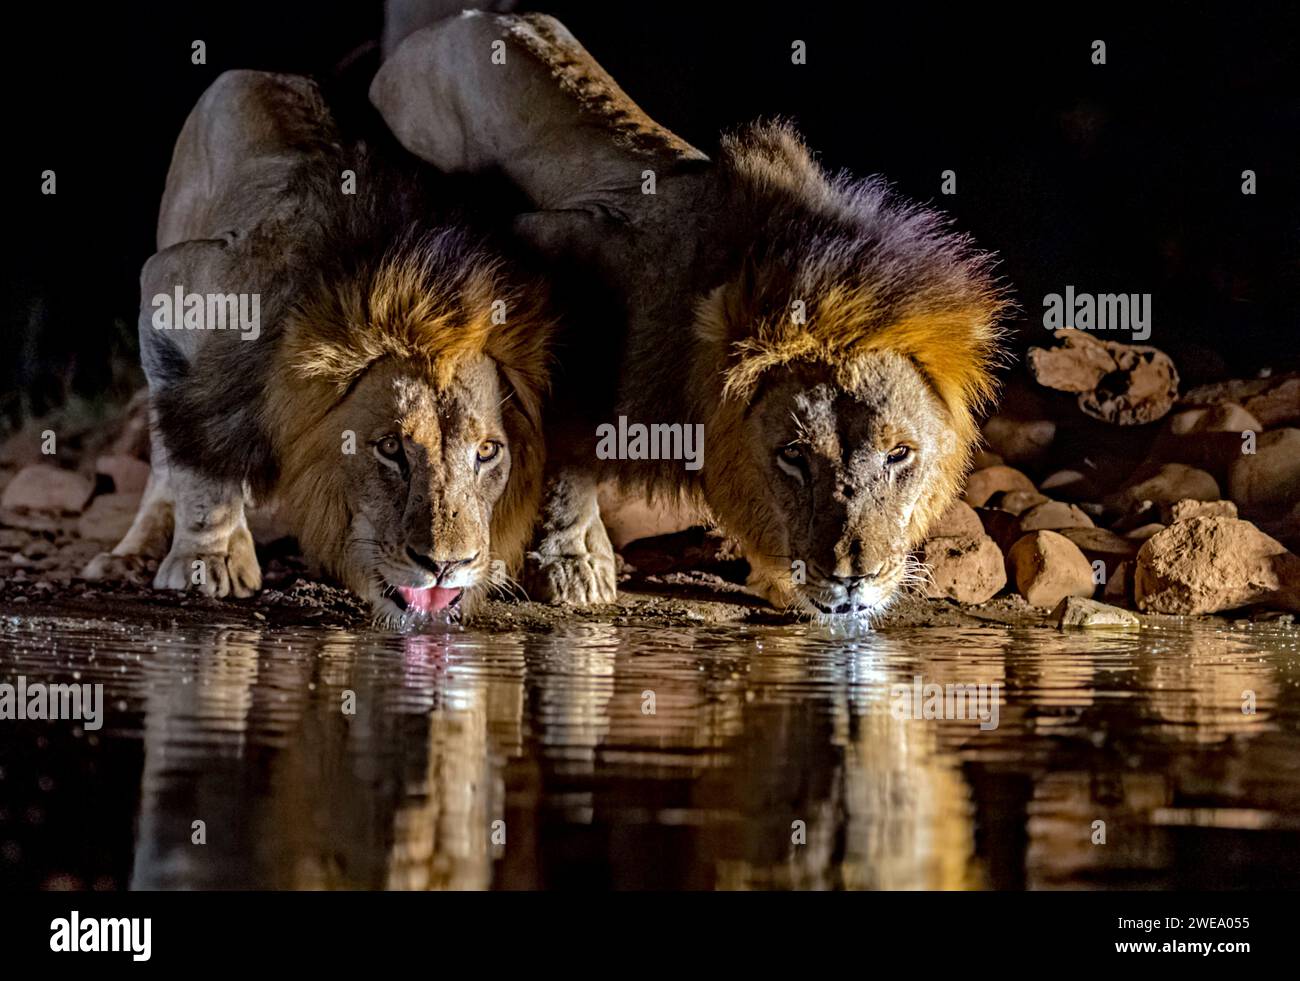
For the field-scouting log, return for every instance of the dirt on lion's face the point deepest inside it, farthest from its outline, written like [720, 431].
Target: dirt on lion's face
[836, 481]
[429, 465]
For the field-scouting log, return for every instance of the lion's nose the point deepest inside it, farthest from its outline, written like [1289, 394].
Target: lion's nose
[851, 582]
[440, 568]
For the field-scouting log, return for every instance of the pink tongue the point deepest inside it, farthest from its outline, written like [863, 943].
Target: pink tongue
[427, 600]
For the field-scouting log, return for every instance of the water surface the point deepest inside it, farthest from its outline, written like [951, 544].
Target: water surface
[630, 757]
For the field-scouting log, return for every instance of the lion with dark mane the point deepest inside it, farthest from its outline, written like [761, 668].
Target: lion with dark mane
[835, 342]
[389, 399]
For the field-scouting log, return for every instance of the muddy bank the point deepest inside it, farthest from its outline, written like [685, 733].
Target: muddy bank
[291, 598]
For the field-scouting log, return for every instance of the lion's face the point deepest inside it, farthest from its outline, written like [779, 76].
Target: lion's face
[430, 465]
[834, 480]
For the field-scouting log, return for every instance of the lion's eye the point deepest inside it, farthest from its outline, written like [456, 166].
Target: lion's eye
[898, 454]
[488, 450]
[390, 447]
[791, 460]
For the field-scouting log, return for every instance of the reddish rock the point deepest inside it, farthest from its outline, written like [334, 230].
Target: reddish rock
[1226, 417]
[132, 438]
[1100, 543]
[1186, 509]
[1076, 364]
[629, 517]
[1268, 481]
[1142, 532]
[1124, 384]
[1018, 502]
[959, 521]
[986, 458]
[1049, 567]
[1170, 484]
[1019, 441]
[1002, 526]
[108, 518]
[1206, 565]
[1054, 515]
[1070, 485]
[129, 475]
[1119, 585]
[1273, 401]
[983, 484]
[969, 570]
[47, 489]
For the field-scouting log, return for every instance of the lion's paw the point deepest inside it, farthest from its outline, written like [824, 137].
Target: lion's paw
[574, 580]
[138, 569]
[232, 573]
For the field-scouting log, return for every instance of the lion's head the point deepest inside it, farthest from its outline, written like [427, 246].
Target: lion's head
[843, 369]
[407, 424]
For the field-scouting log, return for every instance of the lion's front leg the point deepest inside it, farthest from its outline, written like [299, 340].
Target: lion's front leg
[212, 548]
[572, 561]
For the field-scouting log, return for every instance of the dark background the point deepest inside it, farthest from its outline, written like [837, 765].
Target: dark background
[1117, 178]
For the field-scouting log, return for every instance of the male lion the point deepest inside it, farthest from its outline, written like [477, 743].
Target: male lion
[834, 342]
[314, 335]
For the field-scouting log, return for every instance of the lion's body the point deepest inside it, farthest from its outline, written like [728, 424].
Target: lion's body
[376, 318]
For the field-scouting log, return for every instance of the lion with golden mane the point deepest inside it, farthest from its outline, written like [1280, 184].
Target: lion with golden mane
[385, 389]
[834, 342]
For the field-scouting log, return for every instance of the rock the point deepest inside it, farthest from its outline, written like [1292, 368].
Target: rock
[1171, 483]
[983, 484]
[1018, 502]
[1273, 401]
[1070, 485]
[959, 521]
[109, 517]
[986, 458]
[1098, 543]
[1076, 364]
[1019, 441]
[132, 438]
[1119, 585]
[1053, 515]
[1226, 417]
[1210, 564]
[1077, 611]
[1048, 567]
[1002, 526]
[13, 539]
[1186, 509]
[629, 517]
[1142, 532]
[969, 570]
[128, 474]
[266, 524]
[697, 549]
[47, 489]
[38, 548]
[1268, 480]
[1124, 384]
[1212, 452]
